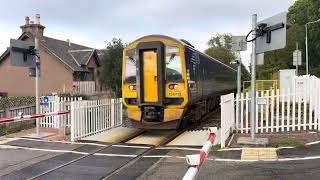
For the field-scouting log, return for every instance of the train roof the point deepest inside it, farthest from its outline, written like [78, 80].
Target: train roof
[182, 42]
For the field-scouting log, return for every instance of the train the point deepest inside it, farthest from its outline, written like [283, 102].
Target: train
[168, 84]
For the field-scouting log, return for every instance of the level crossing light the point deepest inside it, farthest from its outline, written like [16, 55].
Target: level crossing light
[307, 56]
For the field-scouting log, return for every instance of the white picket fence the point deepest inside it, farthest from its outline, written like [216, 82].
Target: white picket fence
[91, 117]
[57, 104]
[288, 111]
[227, 117]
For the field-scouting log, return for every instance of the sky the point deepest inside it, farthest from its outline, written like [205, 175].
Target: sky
[95, 22]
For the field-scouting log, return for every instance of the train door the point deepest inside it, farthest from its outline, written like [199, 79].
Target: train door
[150, 79]
[150, 74]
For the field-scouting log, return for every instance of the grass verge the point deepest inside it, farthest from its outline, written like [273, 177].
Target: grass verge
[215, 147]
[287, 142]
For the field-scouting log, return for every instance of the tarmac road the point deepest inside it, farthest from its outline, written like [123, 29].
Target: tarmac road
[306, 169]
[21, 164]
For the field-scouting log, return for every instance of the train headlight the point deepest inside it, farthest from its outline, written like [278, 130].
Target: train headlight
[132, 87]
[173, 86]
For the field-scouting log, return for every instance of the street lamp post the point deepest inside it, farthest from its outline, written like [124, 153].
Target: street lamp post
[307, 56]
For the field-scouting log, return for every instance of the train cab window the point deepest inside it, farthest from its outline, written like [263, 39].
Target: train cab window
[173, 64]
[130, 68]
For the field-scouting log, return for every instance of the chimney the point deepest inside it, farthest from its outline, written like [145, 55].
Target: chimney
[34, 28]
[37, 19]
[26, 21]
[69, 42]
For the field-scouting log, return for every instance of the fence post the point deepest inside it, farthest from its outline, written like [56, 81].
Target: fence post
[72, 123]
[112, 113]
[238, 99]
[121, 109]
[56, 107]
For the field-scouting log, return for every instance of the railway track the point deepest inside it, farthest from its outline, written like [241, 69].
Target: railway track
[136, 139]
[130, 151]
[82, 157]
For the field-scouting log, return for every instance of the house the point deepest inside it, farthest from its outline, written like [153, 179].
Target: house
[65, 66]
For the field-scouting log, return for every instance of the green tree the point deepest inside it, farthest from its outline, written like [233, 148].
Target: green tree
[221, 53]
[220, 49]
[112, 67]
[301, 12]
[221, 40]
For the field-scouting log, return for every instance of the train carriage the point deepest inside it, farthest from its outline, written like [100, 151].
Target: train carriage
[167, 83]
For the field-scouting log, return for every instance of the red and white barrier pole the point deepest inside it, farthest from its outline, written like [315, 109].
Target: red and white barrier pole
[34, 116]
[195, 161]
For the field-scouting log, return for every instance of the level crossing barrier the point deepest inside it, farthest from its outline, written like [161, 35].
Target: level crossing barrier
[22, 117]
[195, 161]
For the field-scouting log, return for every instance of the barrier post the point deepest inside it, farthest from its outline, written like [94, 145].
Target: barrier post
[195, 161]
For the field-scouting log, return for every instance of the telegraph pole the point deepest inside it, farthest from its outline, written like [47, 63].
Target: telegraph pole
[253, 77]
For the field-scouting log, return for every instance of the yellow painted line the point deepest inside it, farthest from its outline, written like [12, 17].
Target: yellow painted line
[152, 137]
[6, 140]
[259, 154]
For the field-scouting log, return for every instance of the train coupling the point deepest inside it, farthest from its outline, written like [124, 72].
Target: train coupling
[152, 114]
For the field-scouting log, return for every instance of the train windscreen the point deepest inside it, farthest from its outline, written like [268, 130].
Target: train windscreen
[130, 68]
[173, 64]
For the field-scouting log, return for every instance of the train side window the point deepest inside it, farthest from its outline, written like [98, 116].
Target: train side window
[130, 68]
[173, 64]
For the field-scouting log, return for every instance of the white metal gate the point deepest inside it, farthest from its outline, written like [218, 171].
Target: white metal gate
[91, 117]
[58, 104]
[227, 117]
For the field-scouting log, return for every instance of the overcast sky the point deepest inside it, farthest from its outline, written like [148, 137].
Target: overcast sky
[96, 22]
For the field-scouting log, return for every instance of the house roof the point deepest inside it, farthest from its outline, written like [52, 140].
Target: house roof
[75, 56]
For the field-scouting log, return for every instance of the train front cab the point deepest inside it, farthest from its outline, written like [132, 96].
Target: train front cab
[154, 87]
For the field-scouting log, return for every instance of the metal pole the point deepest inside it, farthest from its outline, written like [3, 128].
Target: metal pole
[307, 58]
[253, 77]
[297, 47]
[37, 83]
[239, 84]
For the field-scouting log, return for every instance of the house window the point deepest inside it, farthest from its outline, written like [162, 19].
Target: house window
[90, 74]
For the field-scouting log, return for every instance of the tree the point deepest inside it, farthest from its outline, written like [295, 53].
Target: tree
[220, 53]
[112, 67]
[301, 12]
[221, 40]
[220, 49]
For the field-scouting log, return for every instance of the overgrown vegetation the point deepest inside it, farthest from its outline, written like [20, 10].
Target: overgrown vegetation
[287, 142]
[112, 66]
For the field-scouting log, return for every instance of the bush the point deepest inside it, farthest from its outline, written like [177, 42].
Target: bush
[14, 127]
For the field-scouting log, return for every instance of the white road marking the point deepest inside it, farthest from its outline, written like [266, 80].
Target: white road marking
[64, 142]
[138, 147]
[164, 156]
[236, 149]
[311, 143]
[232, 160]
[115, 155]
[40, 149]
[299, 159]
[179, 148]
